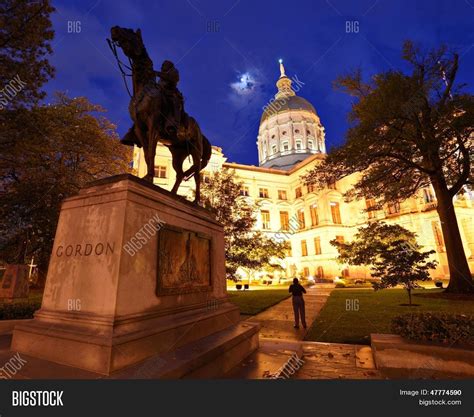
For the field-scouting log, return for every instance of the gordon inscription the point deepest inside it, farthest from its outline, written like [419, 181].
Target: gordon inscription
[85, 249]
[184, 261]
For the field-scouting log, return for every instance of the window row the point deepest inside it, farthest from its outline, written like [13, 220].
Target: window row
[285, 146]
[296, 132]
[394, 208]
[319, 272]
[299, 223]
[282, 194]
[317, 245]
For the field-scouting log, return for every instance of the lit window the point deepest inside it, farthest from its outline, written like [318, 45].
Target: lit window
[301, 222]
[244, 191]
[284, 220]
[263, 192]
[438, 236]
[393, 208]
[370, 205]
[265, 219]
[306, 272]
[282, 195]
[428, 195]
[317, 246]
[320, 272]
[314, 215]
[298, 192]
[304, 248]
[340, 239]
[335, 213]
[160, 171]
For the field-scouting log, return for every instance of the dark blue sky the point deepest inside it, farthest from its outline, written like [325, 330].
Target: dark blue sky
[215, 44]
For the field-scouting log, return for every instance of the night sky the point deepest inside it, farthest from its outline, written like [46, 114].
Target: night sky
[227, 53]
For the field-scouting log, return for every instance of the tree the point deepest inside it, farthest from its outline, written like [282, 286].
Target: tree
[244, 247]
[392, 252]
[409, 131]
[25, 35]
[55, 150]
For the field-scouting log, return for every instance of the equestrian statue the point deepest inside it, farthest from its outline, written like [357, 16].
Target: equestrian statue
[157, 111]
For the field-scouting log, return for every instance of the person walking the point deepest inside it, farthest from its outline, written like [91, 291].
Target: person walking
[297, 290]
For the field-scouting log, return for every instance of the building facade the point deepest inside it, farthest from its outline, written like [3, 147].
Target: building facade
[290, 142]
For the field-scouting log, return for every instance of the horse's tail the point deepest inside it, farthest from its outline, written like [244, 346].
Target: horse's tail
[206, 152]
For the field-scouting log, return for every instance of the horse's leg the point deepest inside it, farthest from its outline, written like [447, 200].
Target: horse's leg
[197, 176]
[152, 142]
[140, 132]
[178, 157]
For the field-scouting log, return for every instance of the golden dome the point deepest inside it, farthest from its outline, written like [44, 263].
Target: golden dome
[284, 104]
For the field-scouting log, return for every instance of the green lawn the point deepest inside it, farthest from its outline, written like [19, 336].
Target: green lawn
[253, 302]
[376, 310]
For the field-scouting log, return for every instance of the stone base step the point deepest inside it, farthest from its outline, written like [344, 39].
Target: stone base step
[210, 357]
[268, 361]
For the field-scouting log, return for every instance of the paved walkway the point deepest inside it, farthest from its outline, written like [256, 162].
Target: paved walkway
[279, 340]
[277, 321]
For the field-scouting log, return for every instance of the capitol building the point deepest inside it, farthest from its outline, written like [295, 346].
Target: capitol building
[290, 142]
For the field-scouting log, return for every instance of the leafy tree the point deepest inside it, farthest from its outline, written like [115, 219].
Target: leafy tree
[55, 150]
[392, 252]
[409, 131]
[244, 247]
[25, 35]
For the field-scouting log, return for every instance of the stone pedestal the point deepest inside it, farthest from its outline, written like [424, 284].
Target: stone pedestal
[14, 282]
[134, 273]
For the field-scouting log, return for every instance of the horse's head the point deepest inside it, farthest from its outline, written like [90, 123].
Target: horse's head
[130, 41]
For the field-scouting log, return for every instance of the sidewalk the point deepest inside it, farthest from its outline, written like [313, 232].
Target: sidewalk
[279, 340]
[277, 322]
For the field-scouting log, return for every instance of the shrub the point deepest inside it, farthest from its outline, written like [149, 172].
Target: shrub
[439, 327]
[340, 285]
[19, 310]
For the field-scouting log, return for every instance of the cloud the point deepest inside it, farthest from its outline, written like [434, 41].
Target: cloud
[245, 85]
[246, 89]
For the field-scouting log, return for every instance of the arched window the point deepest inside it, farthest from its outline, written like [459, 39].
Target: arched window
[320, 272]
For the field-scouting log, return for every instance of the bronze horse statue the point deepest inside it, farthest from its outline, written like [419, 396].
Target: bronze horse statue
[157, 112]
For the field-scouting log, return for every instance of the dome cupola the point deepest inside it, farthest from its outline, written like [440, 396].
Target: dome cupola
[290, 129]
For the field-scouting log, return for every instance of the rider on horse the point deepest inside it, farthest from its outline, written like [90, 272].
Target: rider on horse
[174, 105]
[168, 84]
